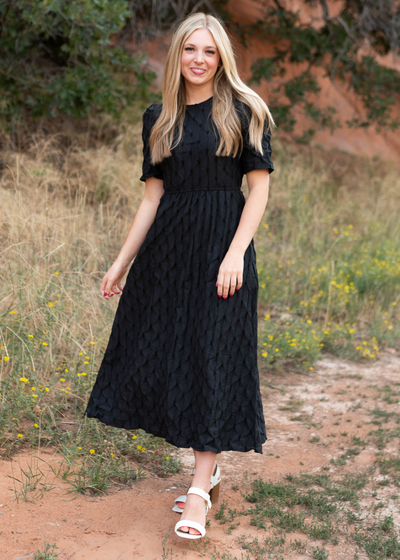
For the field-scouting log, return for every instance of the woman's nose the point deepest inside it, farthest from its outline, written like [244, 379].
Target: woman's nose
[199, 57]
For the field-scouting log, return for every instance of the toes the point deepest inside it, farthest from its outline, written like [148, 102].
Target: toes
[194, 531]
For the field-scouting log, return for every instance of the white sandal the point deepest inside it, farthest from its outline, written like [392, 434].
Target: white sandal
[214, 490]
[193, 524]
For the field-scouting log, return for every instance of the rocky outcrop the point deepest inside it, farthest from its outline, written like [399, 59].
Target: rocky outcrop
[366, 142]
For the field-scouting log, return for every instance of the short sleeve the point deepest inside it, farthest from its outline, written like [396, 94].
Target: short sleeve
[251, 158]
[149, 170]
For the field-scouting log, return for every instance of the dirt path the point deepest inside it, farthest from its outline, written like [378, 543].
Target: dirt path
[311, 420]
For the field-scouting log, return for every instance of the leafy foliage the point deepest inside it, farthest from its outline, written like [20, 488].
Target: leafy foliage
[60, 58]
[335, 47]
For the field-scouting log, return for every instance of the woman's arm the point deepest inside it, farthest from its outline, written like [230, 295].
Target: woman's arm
[230, 276]
[142, 221]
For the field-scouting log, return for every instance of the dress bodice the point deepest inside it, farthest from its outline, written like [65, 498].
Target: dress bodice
[193, 164]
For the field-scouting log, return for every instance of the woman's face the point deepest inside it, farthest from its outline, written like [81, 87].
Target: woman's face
[200, 58]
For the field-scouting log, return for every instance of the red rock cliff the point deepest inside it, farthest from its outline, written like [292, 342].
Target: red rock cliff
[365, 142]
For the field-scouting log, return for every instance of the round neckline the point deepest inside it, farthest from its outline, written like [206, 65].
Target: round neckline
[201, 102]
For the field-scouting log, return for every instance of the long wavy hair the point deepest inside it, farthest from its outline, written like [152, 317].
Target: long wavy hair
[227, 84]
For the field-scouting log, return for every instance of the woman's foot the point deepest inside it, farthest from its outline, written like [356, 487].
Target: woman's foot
[195, 510]
[182, 504]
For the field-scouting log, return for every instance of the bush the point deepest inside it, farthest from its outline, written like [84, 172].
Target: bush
[60, 58]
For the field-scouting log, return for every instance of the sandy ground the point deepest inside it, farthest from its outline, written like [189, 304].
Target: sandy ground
[137, 522]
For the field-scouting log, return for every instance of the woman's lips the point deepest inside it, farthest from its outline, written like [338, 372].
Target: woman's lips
[198, 71]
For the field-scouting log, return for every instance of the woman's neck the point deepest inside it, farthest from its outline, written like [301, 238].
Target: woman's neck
[198, 94]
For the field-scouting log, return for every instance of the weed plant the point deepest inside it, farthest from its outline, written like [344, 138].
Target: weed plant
[49, 552]
[323, 509]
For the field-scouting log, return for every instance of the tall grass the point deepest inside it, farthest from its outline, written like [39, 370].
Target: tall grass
[67, 204]
[329, 257]
[328, 254]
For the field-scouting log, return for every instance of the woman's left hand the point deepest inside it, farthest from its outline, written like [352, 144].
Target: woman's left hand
[230, 274]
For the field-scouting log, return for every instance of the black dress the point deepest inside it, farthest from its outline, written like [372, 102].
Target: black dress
[181, 363]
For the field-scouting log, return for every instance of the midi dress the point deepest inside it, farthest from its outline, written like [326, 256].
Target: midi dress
[181, 362]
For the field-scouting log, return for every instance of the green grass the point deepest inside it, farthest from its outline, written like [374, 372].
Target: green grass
[336, 509]
[324, 508]
[49, 552]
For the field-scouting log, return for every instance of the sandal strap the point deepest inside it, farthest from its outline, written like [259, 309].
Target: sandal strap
[192, 525]
[215, 478]
[200, 492]
[180, 498]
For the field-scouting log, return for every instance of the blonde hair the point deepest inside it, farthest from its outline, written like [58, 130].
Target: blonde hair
[227, 84]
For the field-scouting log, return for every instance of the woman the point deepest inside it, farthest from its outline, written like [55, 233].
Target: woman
[181, 362]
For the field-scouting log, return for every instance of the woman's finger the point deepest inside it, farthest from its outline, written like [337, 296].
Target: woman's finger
[225, 287]
[108, 290]
[239, 281]
[103, 286]
[117, 287]
[220, 281]
[233, 285]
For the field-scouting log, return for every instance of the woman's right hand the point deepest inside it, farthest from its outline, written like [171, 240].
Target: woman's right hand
[111, 283]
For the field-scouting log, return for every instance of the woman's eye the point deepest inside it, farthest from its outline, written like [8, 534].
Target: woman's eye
[191, 49]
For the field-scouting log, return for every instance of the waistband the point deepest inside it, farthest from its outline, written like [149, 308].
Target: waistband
[204, 190]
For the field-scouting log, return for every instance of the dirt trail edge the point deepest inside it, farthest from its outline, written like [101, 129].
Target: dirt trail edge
[335, 420]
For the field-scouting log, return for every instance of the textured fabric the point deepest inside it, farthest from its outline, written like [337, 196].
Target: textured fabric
[181, 363]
